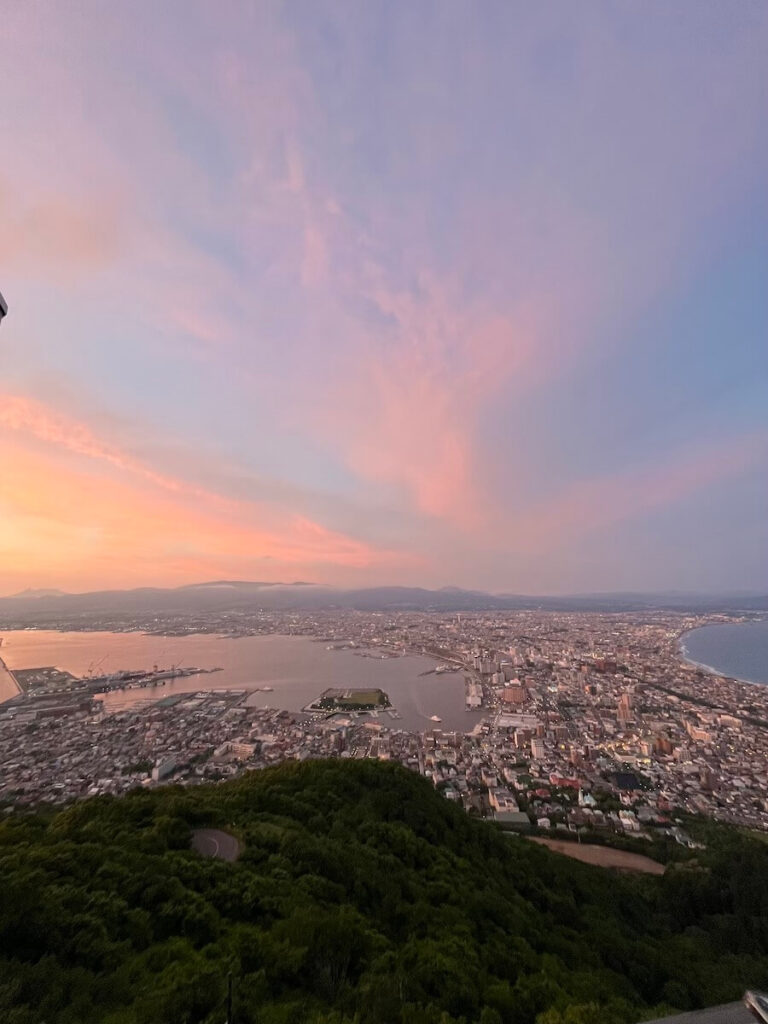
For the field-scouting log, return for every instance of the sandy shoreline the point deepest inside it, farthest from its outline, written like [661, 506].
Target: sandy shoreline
[710, 669]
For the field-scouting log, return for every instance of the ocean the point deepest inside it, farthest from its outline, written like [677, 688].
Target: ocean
[736, 649]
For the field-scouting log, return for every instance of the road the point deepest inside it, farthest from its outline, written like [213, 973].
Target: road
[211, 842]
[730, 1013]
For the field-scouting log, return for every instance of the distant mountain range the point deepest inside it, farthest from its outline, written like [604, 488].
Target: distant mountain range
[37, 606]
[31, 593]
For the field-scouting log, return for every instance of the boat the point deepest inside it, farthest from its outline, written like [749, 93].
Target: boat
[435, 718]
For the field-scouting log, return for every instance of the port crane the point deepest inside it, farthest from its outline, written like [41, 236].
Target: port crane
[95, 665]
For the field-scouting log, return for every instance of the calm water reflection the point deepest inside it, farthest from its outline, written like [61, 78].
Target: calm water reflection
[297, 668]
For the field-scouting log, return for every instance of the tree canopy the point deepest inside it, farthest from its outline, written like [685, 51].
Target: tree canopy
[361, 896]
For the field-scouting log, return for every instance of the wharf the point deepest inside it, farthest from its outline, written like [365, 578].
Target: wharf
[139, 679]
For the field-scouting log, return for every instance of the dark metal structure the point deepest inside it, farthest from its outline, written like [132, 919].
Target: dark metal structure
[757, 1004]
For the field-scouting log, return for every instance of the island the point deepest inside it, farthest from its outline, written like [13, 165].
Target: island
[349, 700]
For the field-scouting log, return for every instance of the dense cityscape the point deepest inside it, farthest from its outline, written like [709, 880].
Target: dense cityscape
[591, 723]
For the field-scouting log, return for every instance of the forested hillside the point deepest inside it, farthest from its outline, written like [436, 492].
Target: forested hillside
[361, 896]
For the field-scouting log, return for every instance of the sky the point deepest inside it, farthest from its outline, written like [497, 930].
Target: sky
[441, 294]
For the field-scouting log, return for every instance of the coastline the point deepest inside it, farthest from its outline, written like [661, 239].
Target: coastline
[710, 669]
[290, 663]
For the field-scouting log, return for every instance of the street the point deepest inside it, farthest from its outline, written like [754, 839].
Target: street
[211, 842]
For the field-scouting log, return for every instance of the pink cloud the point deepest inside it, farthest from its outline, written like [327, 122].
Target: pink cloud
[142, 513]
[420, 388]
[474, 301]
[73, 525]
[58, 233]
[26, 415]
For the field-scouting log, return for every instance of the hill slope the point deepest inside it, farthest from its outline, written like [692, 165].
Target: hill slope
[361, 896]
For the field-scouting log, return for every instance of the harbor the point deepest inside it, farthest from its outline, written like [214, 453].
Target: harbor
[128, 680]
[49, 680]
[278, 671]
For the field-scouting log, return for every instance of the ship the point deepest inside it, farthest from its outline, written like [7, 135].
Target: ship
[435, 718]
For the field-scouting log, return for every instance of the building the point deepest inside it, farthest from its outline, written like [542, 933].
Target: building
[518, 821]
[164, 768]
[501, 800]
[514, 694]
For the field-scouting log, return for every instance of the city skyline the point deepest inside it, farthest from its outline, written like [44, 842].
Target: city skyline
[429, 296]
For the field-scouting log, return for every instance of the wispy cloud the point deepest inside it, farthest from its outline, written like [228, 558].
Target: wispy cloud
[337, 269]
[406, 409]
[28, 416]
[590, 506]
[65, 238]
[141, 508]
